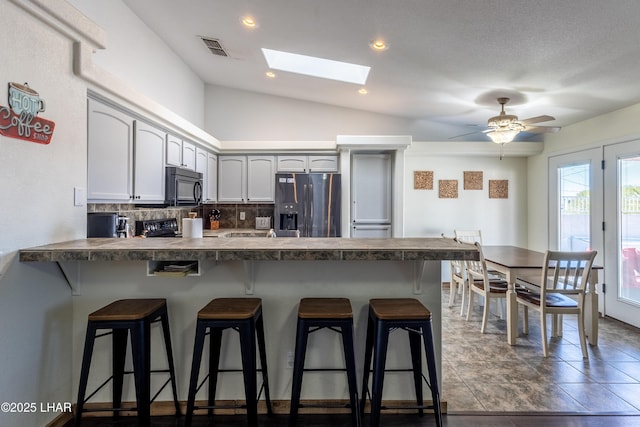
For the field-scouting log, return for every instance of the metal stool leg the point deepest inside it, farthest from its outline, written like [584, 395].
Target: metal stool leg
[263, 361]
[248, 350]
[416, 360]
[198, 345]
[349, 359]
[84, 372]
[119, 352]
[166, 332]
[381, 333]
[368, 352]
[427, 336]
[215, 343]
[302, 335]
[140, 346]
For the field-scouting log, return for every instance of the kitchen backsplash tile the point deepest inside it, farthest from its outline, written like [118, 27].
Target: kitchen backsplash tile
[229, 214]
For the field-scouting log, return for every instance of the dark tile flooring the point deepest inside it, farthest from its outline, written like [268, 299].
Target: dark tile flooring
[487, 382]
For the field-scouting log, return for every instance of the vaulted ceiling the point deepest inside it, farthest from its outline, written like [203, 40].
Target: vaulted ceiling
[446, 63]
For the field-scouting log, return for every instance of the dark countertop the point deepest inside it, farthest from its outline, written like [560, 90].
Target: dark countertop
[250, 248]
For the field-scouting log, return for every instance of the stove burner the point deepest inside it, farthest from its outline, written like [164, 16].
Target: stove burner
[157, 227]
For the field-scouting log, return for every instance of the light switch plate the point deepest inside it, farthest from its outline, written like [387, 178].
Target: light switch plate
[79, 196]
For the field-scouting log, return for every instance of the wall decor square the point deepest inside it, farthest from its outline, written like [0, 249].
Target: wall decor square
[498, 188]
[472, 180]
[448, 189]
[423, 180]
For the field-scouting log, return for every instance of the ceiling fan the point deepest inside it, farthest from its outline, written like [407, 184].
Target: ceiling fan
[504, 127]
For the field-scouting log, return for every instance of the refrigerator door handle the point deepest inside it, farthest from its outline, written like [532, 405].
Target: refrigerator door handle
[309, 220]
[305, 209]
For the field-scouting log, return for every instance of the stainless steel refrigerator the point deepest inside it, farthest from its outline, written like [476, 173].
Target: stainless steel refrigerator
[307, 204]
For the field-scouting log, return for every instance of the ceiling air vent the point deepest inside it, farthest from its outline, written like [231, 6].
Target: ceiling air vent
[214, 46]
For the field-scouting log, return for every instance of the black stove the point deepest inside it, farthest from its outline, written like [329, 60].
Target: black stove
[157, 228]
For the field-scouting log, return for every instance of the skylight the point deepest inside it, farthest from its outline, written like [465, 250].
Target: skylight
[316, 67]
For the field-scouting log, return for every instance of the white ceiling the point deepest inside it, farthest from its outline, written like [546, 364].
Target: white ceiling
[447, 63]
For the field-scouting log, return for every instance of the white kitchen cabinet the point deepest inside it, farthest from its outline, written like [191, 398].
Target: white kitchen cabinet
[174, 151]
[188, 155]
[180, 153]
[126, 158]
[307, 163]
[243, 179]
[149, 166]
[261, 176]
[232, 179]
[211, 185]
[110, 154]
[207, 165]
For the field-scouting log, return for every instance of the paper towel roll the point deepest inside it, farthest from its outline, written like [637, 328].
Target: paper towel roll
[192, 228]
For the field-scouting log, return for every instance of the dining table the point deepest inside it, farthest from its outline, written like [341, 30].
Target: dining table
[515, 262]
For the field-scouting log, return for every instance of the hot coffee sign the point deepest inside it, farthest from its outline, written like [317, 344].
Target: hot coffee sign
[20, 120]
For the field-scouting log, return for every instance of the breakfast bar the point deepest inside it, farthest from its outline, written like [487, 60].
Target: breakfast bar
[280, 271]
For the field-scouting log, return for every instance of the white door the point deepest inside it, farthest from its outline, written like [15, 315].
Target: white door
[575, 204]
[371, 189]
[622, 231]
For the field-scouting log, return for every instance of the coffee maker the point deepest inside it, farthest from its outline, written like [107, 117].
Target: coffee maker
[122, 230]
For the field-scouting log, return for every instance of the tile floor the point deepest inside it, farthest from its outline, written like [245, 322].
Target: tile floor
[482, 373]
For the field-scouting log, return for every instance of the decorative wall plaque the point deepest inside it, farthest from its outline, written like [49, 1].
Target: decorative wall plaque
[20, 120]
[472, 180]
[448, 189]
[498, 188]
[423, 180]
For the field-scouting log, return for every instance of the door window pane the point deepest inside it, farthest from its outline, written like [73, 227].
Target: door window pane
[574, 221]
[629, 220]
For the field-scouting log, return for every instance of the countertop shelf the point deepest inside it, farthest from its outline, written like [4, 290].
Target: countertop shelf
[250, 249]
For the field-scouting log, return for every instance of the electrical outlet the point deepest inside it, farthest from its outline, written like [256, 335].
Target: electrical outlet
[289, 360]
[242, 217]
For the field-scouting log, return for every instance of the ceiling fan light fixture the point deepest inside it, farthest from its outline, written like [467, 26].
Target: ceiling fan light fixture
[503, 136]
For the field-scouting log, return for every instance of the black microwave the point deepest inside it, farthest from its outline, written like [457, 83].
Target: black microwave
[183, 187]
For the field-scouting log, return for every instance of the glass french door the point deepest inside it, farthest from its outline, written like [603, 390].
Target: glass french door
[575, 204]
[622, 231]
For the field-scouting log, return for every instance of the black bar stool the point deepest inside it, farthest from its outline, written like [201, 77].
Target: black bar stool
[320, 313]
[124, 317]
[386, 315]
[244, 315]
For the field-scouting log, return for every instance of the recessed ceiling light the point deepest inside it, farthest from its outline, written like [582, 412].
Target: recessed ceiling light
[379, 44]
[363, 91]
[316, 67]
[249, 22]
[270, 74]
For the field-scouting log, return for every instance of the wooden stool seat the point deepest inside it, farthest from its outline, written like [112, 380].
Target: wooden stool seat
[230, 308]
[399, 308]
[127, 309]
[320, 308]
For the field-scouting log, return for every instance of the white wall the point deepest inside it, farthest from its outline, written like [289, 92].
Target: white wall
[232, 114]
[138, 57]
[502, 221]
[36, 188]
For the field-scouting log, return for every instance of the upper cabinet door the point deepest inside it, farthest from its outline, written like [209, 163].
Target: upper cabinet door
[188, 155]
[174, 150]
[212, 178]
[261, 178]
[110, 154]
[296, 164]
[232, 178]
[149, 168]
[323, 163]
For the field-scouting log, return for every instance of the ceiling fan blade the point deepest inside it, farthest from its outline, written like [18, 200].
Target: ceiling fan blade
[538, 119]
[464, 134]
[542, 129]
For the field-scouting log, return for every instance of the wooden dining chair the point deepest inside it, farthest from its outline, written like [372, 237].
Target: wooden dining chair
[458, 281]
[480, 283]
[560, 290]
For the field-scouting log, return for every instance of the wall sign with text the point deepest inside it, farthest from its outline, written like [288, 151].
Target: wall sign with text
[20, 119]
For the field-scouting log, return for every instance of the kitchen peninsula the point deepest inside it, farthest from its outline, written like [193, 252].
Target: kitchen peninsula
[280, 271]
